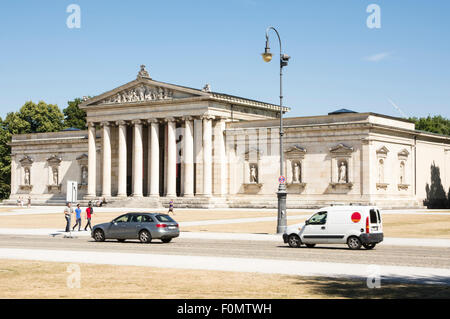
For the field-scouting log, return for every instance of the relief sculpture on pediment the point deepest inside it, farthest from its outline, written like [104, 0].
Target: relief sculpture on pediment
[141, 93]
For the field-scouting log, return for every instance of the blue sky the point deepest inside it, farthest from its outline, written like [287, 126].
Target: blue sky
[337, 61]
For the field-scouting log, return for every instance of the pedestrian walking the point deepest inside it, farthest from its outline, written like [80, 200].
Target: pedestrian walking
[171, 207]
[78, 218]
[89, 212]
[68, 211]
[29, 202]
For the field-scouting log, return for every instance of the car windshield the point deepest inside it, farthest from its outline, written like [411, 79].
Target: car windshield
[164, 218]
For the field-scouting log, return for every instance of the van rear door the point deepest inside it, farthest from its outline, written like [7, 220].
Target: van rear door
[375, 225]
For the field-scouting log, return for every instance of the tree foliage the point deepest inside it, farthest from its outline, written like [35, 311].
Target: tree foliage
[436, 124]
[74, 116]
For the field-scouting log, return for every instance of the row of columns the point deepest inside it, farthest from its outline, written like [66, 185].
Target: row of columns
[154, 157]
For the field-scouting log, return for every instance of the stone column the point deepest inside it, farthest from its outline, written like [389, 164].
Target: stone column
[171, 158]
[153, 158]
[138, 158]
[188, 157]
[92, 161]
[220, 158]
[207, 155]
[106, 176]
[122, 170]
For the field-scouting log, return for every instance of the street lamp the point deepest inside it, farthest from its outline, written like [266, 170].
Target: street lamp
[281, 194]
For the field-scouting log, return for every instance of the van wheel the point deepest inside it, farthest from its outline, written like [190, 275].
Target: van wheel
[354, 243]
[369, 246]
[310, 245]
[294, 241]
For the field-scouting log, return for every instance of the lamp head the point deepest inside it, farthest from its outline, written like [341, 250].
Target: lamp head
[267, 56]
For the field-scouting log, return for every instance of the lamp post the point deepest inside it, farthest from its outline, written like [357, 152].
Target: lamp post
[281, 194]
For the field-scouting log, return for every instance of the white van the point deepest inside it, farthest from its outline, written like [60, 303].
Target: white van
[355, 226]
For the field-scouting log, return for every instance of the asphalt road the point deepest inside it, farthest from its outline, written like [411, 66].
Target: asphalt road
[433, 257]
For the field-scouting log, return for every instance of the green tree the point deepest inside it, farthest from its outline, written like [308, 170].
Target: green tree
[436, 124]
[74, 116]
[42, 117]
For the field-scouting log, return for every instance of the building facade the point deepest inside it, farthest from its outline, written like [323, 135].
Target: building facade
[148, 142]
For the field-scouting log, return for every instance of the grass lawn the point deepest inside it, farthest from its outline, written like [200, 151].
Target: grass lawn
[35, 279]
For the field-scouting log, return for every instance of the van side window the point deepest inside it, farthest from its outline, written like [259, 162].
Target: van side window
[318, 219]
[373, 216]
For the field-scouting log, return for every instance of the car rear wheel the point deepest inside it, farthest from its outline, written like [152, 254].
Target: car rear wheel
[294, 241]
[145, 237]
[99, 235]
[166, 240]
[354, 243]
[369, 246]
[310, 245]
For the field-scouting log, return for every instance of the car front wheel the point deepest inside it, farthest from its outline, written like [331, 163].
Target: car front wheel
[145, 237]
[354, 243]
[99, 235]
[294, 241]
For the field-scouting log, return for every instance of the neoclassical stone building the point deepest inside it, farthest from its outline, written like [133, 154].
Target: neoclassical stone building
[148, 142]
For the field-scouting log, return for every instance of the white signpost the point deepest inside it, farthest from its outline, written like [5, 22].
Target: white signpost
[72, 192]
[71, 197]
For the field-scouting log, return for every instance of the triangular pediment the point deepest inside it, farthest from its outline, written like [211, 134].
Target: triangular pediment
[144, 90]
[383, 150]
[296, 150]
[341, 149]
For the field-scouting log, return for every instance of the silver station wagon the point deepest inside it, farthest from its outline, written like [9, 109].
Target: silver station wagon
[142, 226]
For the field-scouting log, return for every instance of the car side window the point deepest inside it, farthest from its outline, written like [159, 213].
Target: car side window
[318, 219]
[121, 219]
[146, 219]
[136, 219]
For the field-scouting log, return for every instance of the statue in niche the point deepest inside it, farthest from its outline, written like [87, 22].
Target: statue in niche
[296, 174]
[381, 171]
[27, 177]
[55, 175]
[253, 174]
[343, 172]
[84, 175]
[402, 173]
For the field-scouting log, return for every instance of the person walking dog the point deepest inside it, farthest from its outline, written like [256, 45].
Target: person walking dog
[68, 211]
[78, 218]
[89, 212]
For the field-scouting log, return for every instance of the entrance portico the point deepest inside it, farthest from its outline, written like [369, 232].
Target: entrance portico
[173, 129]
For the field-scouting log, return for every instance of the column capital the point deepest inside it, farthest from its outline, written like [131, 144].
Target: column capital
[169, 119]
[90, 124]
[105, 123]
[207, 117]
[136, 122]
[153, 120]
[121, 122]
[187, 118]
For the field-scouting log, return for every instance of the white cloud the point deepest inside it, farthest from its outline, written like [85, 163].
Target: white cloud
[378, 57]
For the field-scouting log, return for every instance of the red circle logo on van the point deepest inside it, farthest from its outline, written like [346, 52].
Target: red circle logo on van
[356, 217]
